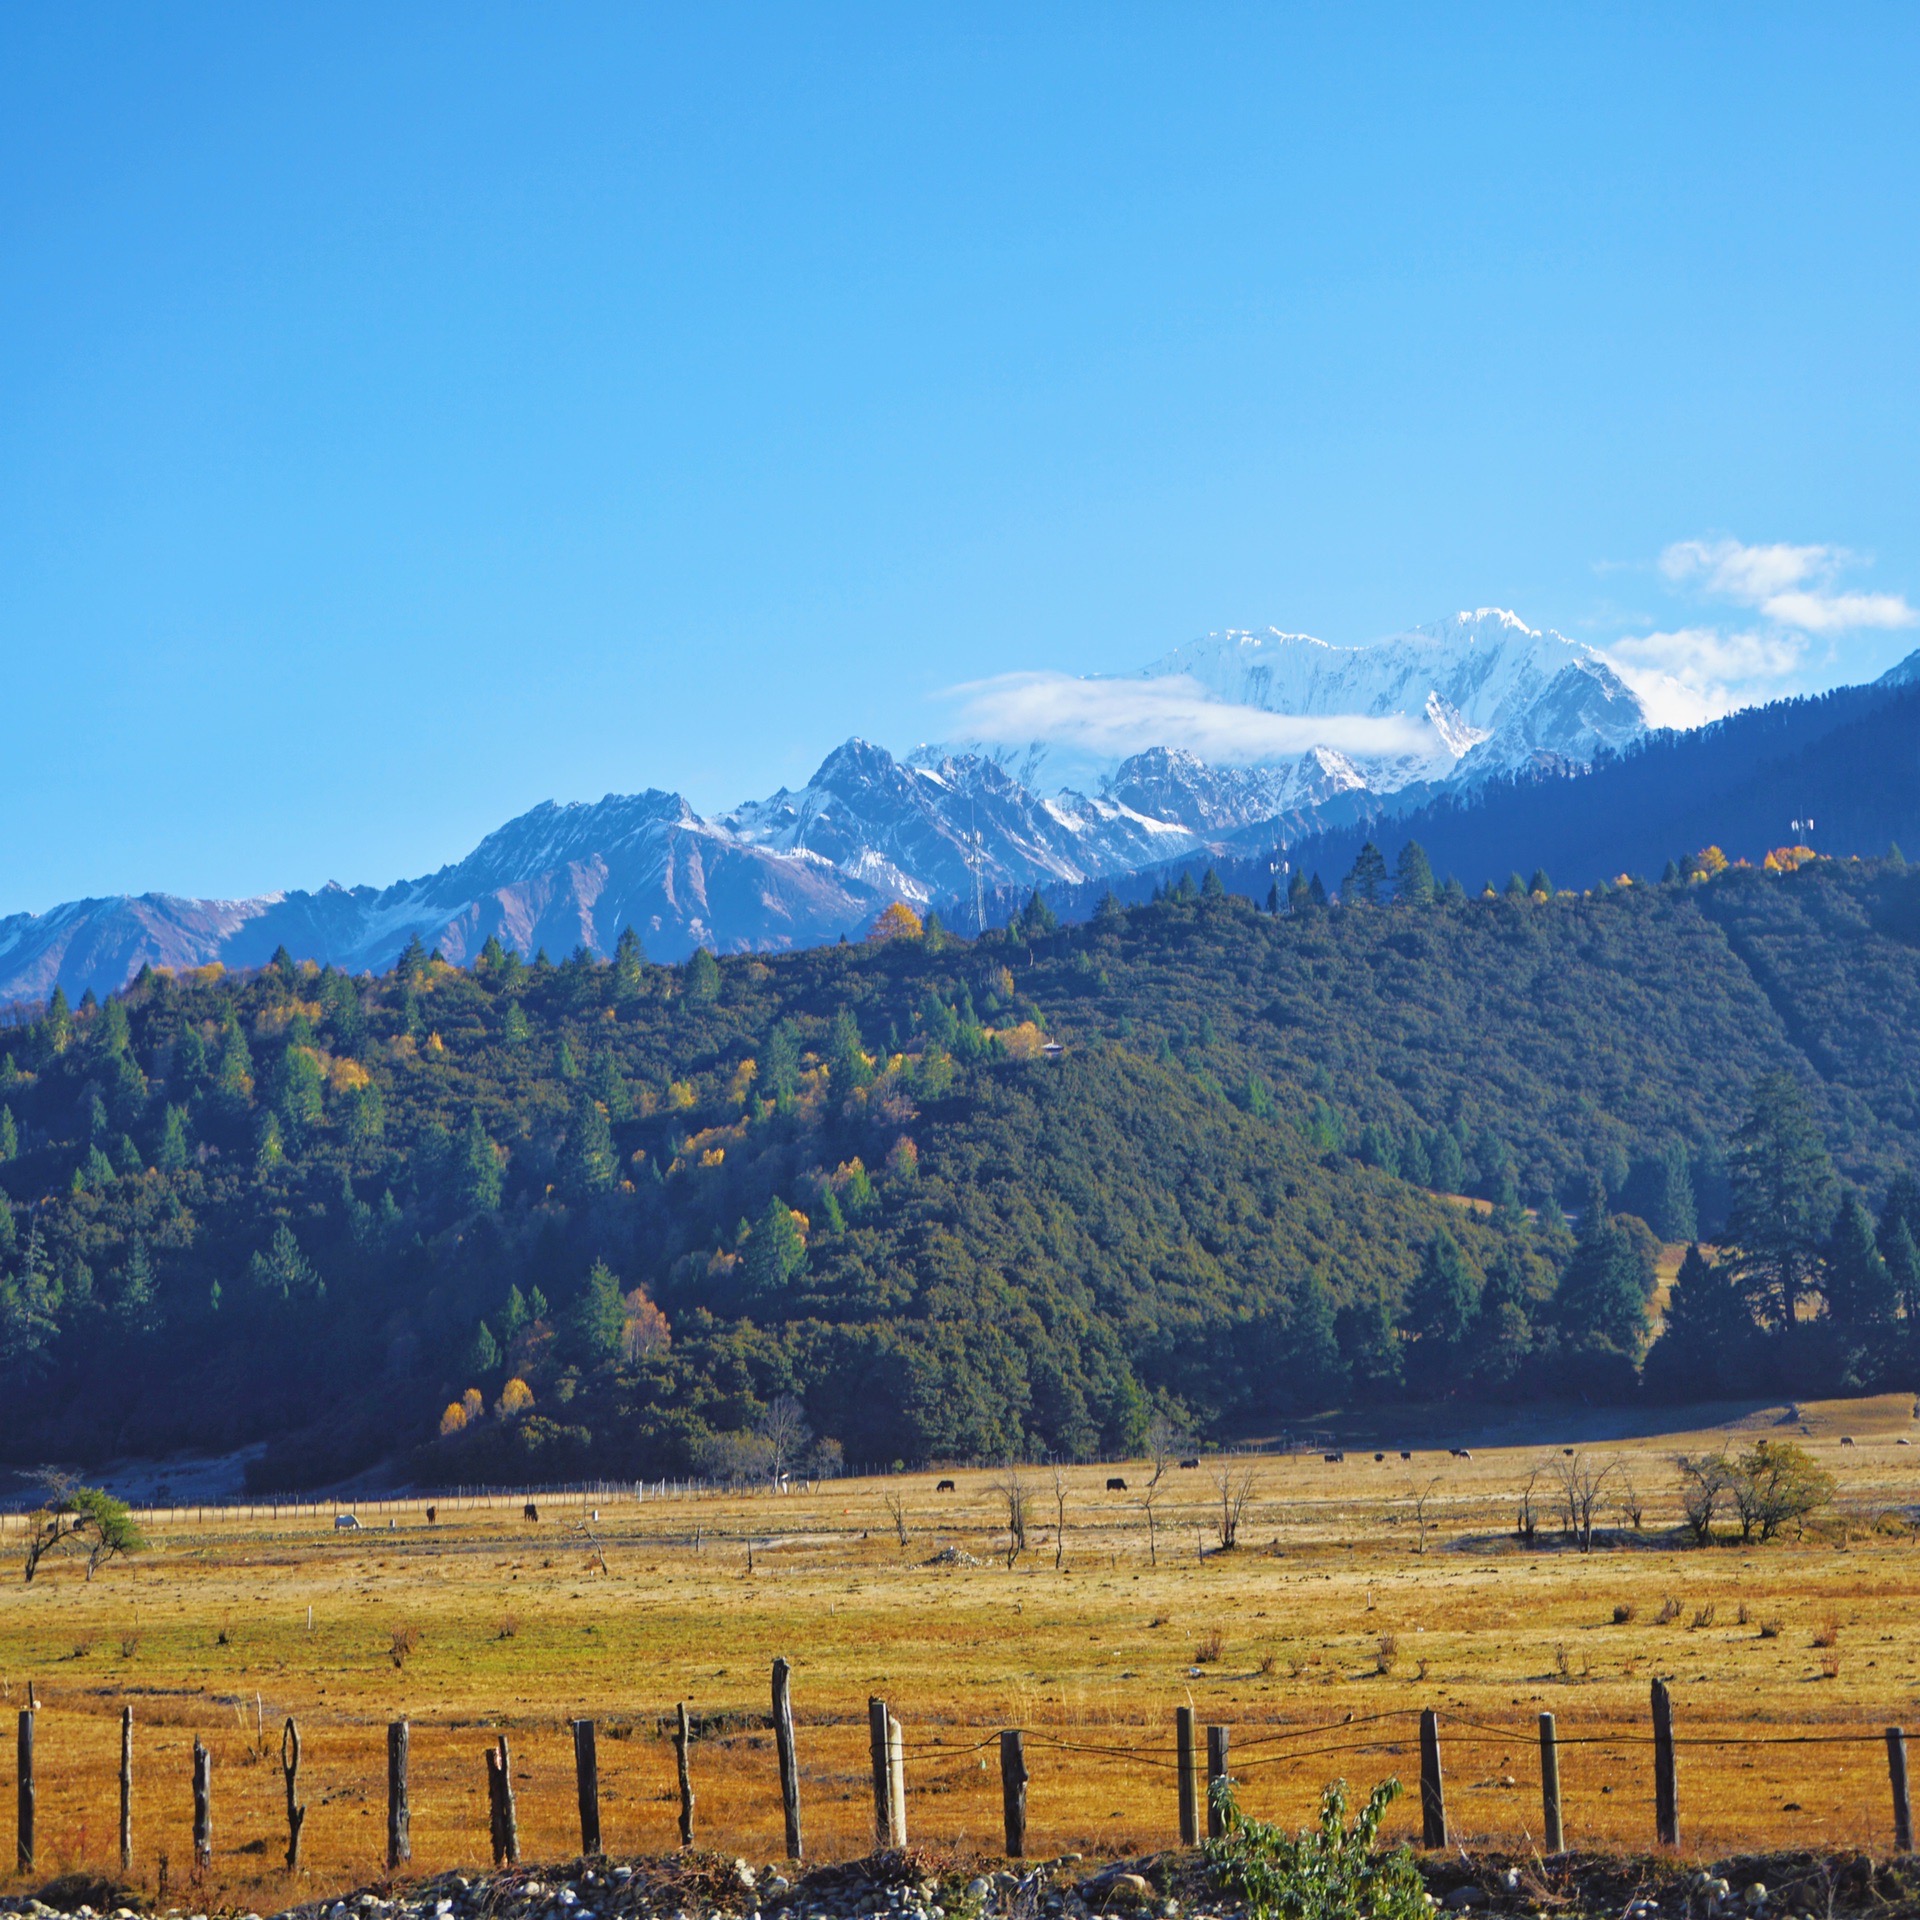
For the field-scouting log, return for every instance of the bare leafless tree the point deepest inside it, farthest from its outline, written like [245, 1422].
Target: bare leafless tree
[1011, 1485]
[1582, 1483]
[1059, 1514]
[1420, 1498]
[897, 1509]
[1524, 1523]
[1165, 1441]
[784, 1428]
[1236, 1486]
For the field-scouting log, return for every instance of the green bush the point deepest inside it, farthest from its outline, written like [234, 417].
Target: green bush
[1332, 1872]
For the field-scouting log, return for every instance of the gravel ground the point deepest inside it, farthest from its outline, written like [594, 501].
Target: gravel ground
[918, 1885]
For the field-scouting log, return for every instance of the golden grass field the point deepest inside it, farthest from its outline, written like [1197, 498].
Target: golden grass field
[518, 1627]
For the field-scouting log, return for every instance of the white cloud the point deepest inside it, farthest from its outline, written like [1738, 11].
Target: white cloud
[1696, 673]
[1120, 717]
[1788, 584]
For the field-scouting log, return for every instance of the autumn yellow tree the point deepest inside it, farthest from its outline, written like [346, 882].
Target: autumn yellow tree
[897, 922]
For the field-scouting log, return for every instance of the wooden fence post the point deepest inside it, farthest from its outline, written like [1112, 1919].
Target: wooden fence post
[505, 1819]
[1216, 1770]
[496, 1844]
[126, 1789]
[681, 1739]
[1666, 1786]
[1433, 1792]
[897, 1780]
[202, 1805]
[1897, 1776]
[399, 1813]
[1555, 1835]
[1188, 1769]
[878, 1720]
[26, 1798]
[586, 1781]
[1013, 1793]
[789, 1761]
[290, 1771]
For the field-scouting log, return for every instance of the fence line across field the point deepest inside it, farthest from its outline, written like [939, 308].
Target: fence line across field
[888, 1751]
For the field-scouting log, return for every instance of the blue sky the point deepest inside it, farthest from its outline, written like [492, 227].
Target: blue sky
[407, 415]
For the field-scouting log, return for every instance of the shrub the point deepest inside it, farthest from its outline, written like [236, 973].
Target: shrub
[1386, 1653]
[1702, 1617]
[1827, 1633]
[401, 1643]
[1769, 1629]
[1212, 1645]
[1331, 1872]
[1669, 1611]
[1622, 1613]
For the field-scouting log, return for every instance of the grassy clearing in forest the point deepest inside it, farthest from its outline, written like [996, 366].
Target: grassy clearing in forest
[1326, 1614]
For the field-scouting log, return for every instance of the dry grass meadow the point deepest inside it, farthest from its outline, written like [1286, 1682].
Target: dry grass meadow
[1328, 1616]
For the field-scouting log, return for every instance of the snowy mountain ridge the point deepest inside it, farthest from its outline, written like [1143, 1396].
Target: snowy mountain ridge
[1461, 700]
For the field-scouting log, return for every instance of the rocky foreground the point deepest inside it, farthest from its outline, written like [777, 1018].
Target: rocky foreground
[934, 1885]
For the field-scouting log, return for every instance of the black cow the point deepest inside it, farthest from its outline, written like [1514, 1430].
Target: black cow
[529, 1512]
[432, 1516]
[1116, 1485]
[1189, 1463]
[945, 1486]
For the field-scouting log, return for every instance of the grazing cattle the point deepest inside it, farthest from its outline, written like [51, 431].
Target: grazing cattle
[1846, 1439]
[1568, 1451]
[945, 1486]
[1334, 1458]
[529, 1512]
[1189, 1463]
[346, 1523]
[1378, 1457]
[1460, 1453]
[432, 1517]
[1116, 1485]
[1404, 1454]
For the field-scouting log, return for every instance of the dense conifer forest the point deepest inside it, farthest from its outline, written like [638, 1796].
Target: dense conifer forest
[924, 1198]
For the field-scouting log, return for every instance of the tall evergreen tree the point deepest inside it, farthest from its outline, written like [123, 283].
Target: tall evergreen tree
[1675, 1216]
[599, 1317]
[701, 976]
[1702, 1348]
[776, 1255]
[1444, 1296]
[1364, 885]
[478, 1166]
[848, 1067]
[590, 1163]
[628, 959]
[1413, 876]
[1601, 1302]
[1861, 1298]
[1783, 1192]
[135, 1308]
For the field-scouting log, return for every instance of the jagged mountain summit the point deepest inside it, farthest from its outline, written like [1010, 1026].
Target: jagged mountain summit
[1479, 694]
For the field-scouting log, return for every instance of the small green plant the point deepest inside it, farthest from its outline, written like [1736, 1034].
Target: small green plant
[1332, 1872]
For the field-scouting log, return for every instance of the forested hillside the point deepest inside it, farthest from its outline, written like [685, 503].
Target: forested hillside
[528, 1221]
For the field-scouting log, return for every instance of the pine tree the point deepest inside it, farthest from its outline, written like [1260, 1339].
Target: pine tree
[174, 1145]
[1861, 1296]
[1441, 1303]
[514, 1315]
[482, 1355]
[513, 1023]
[599, 1317]
[478, 1167]
[270, 1150]
[233, 1079]
[1298, 896]
[776, 1255]
[1675, 1217]
[1602, 1298]
[1702, 1348]
[1453, 893]
[1783, 1190]
[298, 1093]
[282, 1271]
[9, 1135]
[628, 960]
[848, 1067]
[590, 1163]
[1212, 888]
[1413, 876]
[110, 1030]
[59, 1021]
[490, 956]
[1316, 892]
[134, 1308]
[780, 1065]
[1363, 886]
[701, 977]
[1903, 1270]
[412, 963]
[609, 1086]
[1540, 884]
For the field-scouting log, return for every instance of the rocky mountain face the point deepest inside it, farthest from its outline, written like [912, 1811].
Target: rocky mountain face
[1480, 694]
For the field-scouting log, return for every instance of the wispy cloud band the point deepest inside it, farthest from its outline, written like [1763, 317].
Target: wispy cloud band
[1126, 716]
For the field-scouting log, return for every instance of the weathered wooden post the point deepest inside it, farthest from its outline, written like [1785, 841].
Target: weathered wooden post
[1555, 1836]
[878, 1720]
[1013, 1793]
[1189, 1776]
[399, 1813]
[290, 1771]
[586, 1781]
[1666, 1786]
[509, 1813]
[202, 1806]
[126, 1789]
[789, 1761]
[26, 1795]
[897, 1780]
[1433, 1793]
[1216, 1771]
[1897, 1777]
[495, 1842]
[681, 1739]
